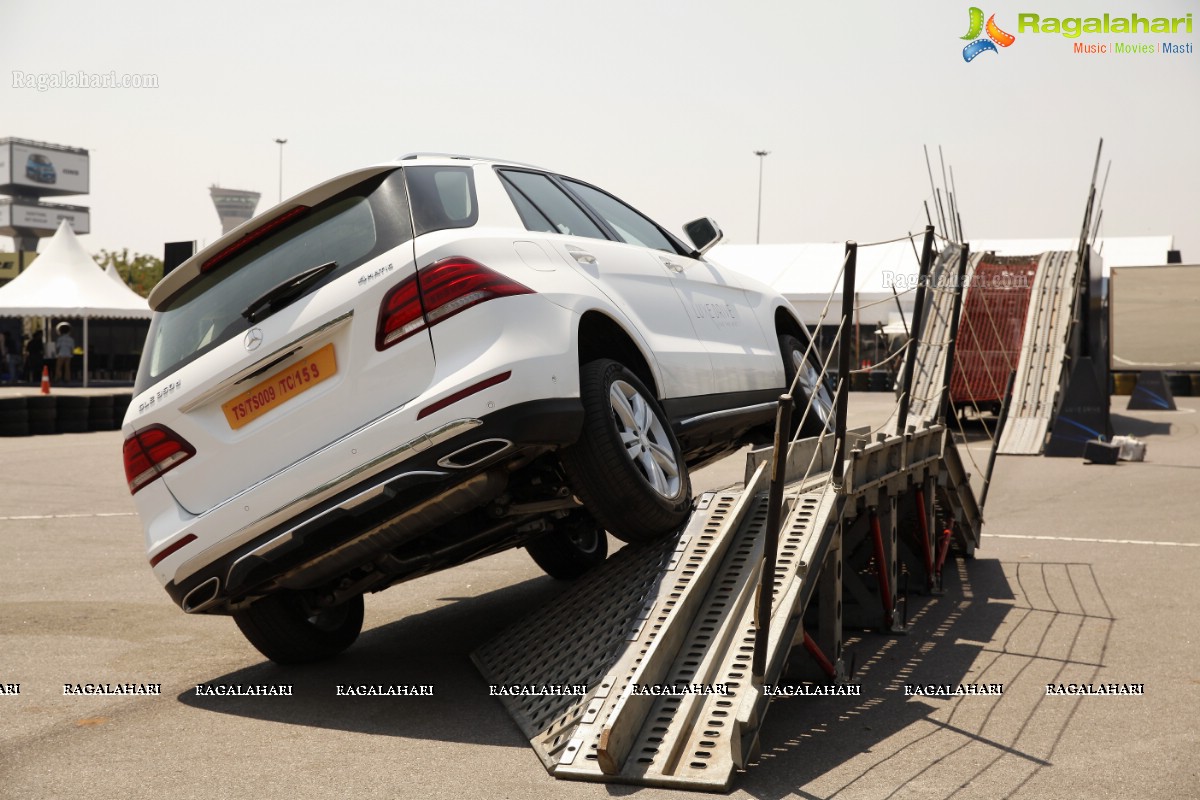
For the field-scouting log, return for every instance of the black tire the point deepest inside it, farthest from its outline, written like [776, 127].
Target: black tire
[72, 413]
[574, 546]
[20, 428]
[631, 493]
[282, 628]
[821, 416]
[14, 417]
[100, 413]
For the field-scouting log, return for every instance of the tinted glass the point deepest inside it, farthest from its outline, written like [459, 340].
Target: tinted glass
[630, 226]
[553, 204]
[348, 229]
[531, 218]
[442, 198]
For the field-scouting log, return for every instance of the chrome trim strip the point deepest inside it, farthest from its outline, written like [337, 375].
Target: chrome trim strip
[728, 412]
[282, 350]
[353, 502]
[392, 457]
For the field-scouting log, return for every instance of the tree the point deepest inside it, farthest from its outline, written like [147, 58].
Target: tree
[141, 272]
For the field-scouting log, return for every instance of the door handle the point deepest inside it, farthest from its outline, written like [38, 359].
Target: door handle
[581, 255]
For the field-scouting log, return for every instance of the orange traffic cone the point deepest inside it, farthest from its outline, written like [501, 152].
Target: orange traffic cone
[45, 380]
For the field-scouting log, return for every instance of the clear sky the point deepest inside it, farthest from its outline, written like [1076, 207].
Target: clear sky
[662, 103]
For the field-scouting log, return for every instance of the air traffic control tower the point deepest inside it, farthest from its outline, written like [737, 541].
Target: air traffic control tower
[234, 206]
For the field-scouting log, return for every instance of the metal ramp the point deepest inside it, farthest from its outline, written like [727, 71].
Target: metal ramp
[657, 618]
[655, 669]
[929, 370]
[1040, 371]
[660, 639]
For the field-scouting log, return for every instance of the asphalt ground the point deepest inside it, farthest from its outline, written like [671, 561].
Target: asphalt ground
[1087, 574]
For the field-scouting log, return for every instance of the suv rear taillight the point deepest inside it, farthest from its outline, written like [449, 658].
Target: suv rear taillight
[152, 452]
[436, 293]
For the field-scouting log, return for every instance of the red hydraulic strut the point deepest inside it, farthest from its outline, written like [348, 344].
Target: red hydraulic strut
[885, 591]
[943, 549]
[925, 546]
[815, 651]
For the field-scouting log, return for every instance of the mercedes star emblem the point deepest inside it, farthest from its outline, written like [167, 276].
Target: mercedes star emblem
[253, 338]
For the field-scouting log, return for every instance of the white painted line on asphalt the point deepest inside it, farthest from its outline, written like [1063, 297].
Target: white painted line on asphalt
[1080, 539]
[70, 516]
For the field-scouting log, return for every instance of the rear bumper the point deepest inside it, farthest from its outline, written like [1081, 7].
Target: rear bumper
[451, 461]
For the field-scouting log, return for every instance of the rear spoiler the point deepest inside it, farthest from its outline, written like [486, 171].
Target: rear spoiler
[191, 269]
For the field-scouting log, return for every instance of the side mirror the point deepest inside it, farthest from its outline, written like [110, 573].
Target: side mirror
[704, 233]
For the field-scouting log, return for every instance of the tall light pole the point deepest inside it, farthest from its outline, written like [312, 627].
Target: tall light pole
[762, 154]
[281, 143]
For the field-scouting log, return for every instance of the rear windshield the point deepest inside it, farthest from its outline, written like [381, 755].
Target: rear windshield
[348, 229]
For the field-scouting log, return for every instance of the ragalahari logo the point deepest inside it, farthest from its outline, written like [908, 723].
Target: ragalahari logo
[995, 36]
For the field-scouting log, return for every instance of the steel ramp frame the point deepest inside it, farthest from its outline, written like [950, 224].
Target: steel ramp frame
[665, 640]
[1041, 373]
[681, 614]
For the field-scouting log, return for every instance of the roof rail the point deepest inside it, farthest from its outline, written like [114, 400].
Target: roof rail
[465, 157]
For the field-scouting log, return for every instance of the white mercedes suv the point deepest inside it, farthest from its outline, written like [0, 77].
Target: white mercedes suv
[425, 362]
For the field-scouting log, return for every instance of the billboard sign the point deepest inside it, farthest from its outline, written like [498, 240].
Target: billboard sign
[1153, 318]
[42, 219]
[33, 169]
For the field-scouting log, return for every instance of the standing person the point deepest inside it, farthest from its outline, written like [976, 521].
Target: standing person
[35, 357]
[15, 358]
[64, 348]
[12, 363]
[5, 349]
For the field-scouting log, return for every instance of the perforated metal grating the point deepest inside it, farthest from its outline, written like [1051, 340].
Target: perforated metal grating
[1040, 369]
[599, 623]
[696, 596]
[929, 373]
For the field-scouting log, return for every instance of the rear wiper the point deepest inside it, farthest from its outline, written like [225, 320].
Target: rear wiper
[284, 293]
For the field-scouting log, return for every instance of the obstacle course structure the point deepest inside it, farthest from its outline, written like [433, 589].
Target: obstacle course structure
[680, 645]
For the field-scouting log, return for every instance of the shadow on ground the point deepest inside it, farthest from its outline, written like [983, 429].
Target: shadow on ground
[422, 649]
[1021, 625]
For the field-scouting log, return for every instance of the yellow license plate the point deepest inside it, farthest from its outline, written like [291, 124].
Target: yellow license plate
[280, 387]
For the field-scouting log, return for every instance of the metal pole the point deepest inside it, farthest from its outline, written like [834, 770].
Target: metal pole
[964, 253]
[914, 336]
[933, 190]
[842, 397]
[281, 143]
[762, 154]
[766, 579]
[987, 478]
[942, 214]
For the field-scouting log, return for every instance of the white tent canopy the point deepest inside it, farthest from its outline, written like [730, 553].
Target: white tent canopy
[64, 281]
[806, 274]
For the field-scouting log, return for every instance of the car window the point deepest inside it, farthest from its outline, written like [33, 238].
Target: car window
[531, 217]
[552, 204]
[629, 225]
[441, 197]
[348, 229]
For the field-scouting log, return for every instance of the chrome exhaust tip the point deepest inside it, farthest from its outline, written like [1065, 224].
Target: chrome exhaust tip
[475, 454]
